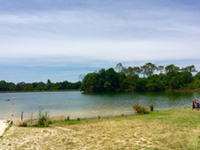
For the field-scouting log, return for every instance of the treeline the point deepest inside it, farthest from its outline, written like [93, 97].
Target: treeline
[147, 78]
[39, 86]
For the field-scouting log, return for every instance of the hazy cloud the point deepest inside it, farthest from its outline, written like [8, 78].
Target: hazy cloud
[98, 33]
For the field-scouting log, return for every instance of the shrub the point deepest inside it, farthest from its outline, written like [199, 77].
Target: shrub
[140, 109]
[43, 120]
[68, 118]
[151, 107]
[23, 123]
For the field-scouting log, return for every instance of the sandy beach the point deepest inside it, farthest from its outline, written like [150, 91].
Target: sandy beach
[3, 126]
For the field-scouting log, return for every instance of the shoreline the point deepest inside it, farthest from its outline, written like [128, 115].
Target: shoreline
[38, 91]
[74, 116]
[166, 91]
[58, 118]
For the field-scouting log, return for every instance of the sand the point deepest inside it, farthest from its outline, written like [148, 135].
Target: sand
[3, 126]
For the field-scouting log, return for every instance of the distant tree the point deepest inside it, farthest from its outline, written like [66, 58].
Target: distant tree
[49, 85]
[3, 85]
[81, 77]
[101, 82]
[90, 83]
[171, 68]
[40, 86]
[111, 80]
[137, 70]
[197, 75]
[130, 71]
[20, 86]
[144, 70]
[185, 78]
[11, 86]
[161, 69]
[148, 69]
[141, 85]
[122, 81]
[189, 69]
[119, 67]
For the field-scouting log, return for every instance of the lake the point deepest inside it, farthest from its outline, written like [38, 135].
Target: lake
[75, 104]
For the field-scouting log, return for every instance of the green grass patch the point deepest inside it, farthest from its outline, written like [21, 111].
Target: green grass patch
[70, 122]
[88, 131]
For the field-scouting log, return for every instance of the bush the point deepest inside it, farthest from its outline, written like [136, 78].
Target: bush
[140, 109]
[151, 107]
[23, 123]
[68, 118]
[43, 120]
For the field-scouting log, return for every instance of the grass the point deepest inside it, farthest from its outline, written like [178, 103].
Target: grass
[70, 122]
[169, 129]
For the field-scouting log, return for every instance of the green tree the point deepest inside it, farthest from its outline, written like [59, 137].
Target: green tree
[171, 68]
[20, 86]
[148, 69]
[161, 69]
[119, 67]
[49, 85]
[189, 69]
[111, 80]
[90, 83]
[137, 70]
[141, 85]
[122, 81]
[3, 85]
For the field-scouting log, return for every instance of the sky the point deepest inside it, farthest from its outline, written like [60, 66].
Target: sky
[63, 39]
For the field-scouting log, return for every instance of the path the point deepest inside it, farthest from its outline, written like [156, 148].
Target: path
[3, 126]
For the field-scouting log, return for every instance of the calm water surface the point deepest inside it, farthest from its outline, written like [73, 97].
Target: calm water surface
[75, 104]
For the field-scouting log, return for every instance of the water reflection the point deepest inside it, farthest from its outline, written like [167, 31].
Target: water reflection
[81, 105]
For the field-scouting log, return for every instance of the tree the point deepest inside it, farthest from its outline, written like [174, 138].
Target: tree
[171, 68]
[20, 86]
[161, 69]
[122, 81]
[90, 83]
[189, 69]
[144, 70]
[111, 80]
[137, 70]
[119, 67]
[148, 69]
[141, 85]
[101, 82]
[49, 85]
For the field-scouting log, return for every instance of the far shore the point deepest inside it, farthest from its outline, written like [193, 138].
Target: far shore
[167, 91]
[39, 91]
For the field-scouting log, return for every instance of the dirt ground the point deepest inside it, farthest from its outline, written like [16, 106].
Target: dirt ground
[128, 132]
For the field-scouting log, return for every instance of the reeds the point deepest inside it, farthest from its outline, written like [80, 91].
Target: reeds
[140, 109]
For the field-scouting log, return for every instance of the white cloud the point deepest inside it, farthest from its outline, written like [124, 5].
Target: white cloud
[104, 50]
[40, 17]
[114, 33]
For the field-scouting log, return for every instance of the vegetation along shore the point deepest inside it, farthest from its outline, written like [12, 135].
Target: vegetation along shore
[146, 78]
[168, 129]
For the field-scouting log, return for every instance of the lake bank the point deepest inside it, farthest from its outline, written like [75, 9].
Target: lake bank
[39, 91]
[169, 90]
[168, 129]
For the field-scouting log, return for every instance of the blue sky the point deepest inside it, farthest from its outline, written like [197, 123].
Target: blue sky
[61, 39]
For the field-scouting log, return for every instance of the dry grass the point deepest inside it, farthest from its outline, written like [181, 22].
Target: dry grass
[171, 129]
